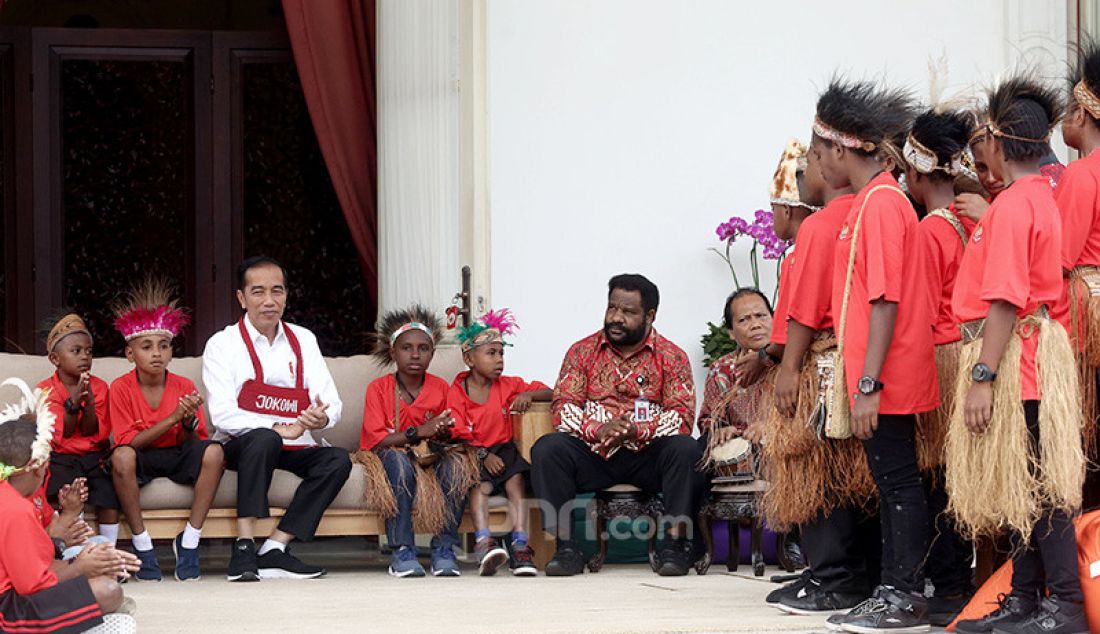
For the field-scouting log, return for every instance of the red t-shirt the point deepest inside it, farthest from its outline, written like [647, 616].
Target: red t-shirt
[887, 267]
[379, 410]
[41, 505]
[78, 444]
[26, 552]
[942, 249]
[1078, 199]
[1013, 256]
[131, 414]
[811, 278]
[782, 301]
[489, 423]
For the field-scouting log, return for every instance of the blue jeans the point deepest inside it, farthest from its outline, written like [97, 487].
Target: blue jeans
[402, 477]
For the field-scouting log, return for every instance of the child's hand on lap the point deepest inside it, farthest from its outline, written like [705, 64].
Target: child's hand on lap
[493, 464]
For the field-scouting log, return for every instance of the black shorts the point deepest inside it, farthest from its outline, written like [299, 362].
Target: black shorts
[64, 468]
[180, 464]
[513, 464]
[66, 607]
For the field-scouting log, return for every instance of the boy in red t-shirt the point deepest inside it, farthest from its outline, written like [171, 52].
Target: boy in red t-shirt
[481, 401]
[37, 592]
[1014, 451]
[882, 325]
[81, 436]
[160, 429]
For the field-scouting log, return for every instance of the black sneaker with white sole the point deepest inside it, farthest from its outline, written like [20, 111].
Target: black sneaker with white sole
[279, 564]
[897, 612]
[791, 589]
[242, 562]
[814, 600]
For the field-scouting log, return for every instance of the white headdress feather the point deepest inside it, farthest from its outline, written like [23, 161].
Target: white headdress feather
[34, 402]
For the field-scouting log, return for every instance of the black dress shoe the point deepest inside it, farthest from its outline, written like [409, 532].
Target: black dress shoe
[567, 561]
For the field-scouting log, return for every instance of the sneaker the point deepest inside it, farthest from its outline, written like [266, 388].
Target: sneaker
[280, 564]
[444, 563]
[674, 558]
[242, 562]
[187, 560]
[794, 588]
[817, 601]
[943, 610]
[523, 562]
[150, 569]
[567, 561]
[490, 556]
[1054, 616]
[897, 612]
[403, 563]
[835, 623]
[1010, 609]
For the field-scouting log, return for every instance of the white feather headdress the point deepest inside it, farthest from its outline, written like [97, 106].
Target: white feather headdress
[34, 402]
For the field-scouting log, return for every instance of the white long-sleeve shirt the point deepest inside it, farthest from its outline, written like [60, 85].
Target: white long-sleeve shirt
[226, 365]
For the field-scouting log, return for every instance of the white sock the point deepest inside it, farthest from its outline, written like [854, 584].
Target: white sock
[269, 546]
[142, 541]
[110, 531]
[190, 537]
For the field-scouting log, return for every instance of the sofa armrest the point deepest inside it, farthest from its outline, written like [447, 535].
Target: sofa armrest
[529, 426]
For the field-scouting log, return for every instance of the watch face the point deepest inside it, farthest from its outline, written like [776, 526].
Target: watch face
[866, 385]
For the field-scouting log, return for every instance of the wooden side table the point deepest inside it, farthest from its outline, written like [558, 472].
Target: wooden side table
[733, 499]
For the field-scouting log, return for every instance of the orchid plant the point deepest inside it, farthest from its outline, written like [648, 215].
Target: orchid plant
[765, 244]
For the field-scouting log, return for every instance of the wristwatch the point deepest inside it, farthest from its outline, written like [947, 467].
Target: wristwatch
[412, 434]
[482, 453]
[982, 373]
[191, 424]
[868, 385]
[70, 407]
[768, 359]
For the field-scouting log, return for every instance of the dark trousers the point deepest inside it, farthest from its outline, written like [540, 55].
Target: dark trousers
[950, 557]
[256, 455]
[844, 550]
[903, 509]
[563, 465]
[1051, 555]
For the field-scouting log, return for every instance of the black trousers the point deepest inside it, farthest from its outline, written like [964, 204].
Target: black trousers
[844, 550]
[1051, 555]
[563, 465]
[950, 557]
[903, 509]
[256, 455]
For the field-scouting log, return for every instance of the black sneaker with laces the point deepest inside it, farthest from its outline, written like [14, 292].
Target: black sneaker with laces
[896, 612]
[1010, 609]
[567, 561]
[791, 589]
[279, 564]
[817, 601]
[1054, 616]
[242, 562]
[674, 559]
[835, 623]
[523, 561]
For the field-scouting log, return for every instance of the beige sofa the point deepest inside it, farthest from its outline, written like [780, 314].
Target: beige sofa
[166, 504]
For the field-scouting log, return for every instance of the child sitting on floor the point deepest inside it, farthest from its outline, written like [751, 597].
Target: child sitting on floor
[37, 593]
[481, 402]
[159, 428]
[78, 401]
[418, 483]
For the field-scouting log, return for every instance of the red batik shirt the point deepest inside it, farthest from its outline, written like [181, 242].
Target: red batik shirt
[131, 414]
[942, 250]
[811, 276]
[380, 409]
[741, 411]
[887, 267]
[598, 384]
[490, 423]
[77, 443]
[1014, 256]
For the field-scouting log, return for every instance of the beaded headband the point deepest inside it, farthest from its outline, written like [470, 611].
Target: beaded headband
[825, 131]
[1087, 99]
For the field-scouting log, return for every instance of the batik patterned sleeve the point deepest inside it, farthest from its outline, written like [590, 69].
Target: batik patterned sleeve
[719, 382]
[676, 412]
[570, 408]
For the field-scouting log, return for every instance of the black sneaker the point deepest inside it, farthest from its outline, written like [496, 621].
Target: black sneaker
[242, 562]
[1010, 609]
[896, 612]
[817, 601]
[490, 556]
[674, 558]
[793, 588]
[568, 561]
[1054, 616]
[279, 564]
[943, 610]
[523, 562]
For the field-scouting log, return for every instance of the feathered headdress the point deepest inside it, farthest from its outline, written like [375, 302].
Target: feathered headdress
[396, 323]
[34, 403]
[149, 309]
[491, 328]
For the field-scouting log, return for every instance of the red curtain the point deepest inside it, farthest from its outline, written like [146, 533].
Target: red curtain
[333, 42]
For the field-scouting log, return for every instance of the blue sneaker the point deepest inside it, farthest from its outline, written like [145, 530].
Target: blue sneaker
[150, 569]
[403, 563]
[444, 563]
[187, 560]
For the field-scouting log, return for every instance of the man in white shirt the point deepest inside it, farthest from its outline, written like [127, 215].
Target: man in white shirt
[268, 388]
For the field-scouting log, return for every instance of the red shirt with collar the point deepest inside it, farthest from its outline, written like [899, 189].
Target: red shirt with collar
[131, 414]
[811, 275]
[490, 423]
[381, 416]
[77, 443]
[942, 250]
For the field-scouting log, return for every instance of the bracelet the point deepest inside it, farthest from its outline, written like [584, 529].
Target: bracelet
[70, 407]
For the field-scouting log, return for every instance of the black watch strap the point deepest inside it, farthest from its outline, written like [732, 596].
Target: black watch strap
[412, 434]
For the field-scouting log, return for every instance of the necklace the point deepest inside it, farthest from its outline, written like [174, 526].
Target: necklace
[408, 392]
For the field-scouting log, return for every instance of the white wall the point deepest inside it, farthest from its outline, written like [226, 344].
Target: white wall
[623, 131]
